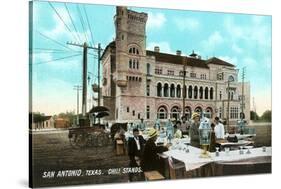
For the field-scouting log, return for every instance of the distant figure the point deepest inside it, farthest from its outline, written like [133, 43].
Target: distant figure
[142, 125]
[169, 129]
[135, 149]
[150, 160]
[177, 131]
[185, 125]
[219, 128]
[194, 130]
[157, 125]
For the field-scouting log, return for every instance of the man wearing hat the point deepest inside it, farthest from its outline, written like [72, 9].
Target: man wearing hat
[150, 160]
[194, 130]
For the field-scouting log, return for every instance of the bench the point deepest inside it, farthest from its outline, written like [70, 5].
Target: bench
[153, 175]
[120, 147]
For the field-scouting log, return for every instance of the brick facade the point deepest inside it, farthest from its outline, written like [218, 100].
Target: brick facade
[149, 84]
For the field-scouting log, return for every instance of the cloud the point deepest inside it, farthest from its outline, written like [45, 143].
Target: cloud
[164, 46]
[236, 48]
[214, 40]
[155, 20]
[187, 24]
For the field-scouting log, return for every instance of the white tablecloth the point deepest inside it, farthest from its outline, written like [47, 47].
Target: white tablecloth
[193, 161]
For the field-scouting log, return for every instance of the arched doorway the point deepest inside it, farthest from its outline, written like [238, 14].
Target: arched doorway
[162, 112]
[198, 109]
[175, 112]
[209, 113]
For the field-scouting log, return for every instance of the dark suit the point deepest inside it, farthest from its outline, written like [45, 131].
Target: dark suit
[134, 152]
[150, 160]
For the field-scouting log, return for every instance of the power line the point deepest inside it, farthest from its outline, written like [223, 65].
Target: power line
[82, 22]
[58, 14]
[89, 26]
[54, 40]
[72, 22]
[46, 49]
[57, 59]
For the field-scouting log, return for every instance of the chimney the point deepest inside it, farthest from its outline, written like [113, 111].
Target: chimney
[156, 49]
[178, 53]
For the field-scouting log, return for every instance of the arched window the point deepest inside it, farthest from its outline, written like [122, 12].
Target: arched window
[187, 112]
[230, 78]
[220, 95]
[195, 92]
[184, 91]
[198, 109]
[206, 92]
[172, 90]
[166, 90]
[231, 95]
[201, 93]
[159, 89]
[134, 63]
[175, 112]
[211, 93]
[178, 91]
[134, 50]
[130, 63]
[190, 91]
[162, 112]
[137, 64]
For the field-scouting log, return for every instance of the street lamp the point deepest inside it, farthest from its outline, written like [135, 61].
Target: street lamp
[205, 136]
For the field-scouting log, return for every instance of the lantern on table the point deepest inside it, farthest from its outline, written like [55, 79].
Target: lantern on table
[205, 136]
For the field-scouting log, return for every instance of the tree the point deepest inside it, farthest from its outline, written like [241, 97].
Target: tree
[266, 116]
[38, 117]
[254, 116]
[70, 116]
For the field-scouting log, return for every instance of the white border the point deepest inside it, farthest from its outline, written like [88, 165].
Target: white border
[14, 90]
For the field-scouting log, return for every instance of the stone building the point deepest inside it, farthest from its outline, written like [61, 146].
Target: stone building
[139, 83]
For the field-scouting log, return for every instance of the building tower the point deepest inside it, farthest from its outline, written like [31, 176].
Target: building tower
[130, 44]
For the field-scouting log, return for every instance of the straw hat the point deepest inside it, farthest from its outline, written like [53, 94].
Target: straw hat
[152, 133]
[194, 115]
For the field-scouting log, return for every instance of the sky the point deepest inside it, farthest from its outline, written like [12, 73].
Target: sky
[241, 39]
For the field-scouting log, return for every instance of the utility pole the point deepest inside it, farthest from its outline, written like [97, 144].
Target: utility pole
[99, 59]
[228, 99]
[183, 89]
[243, 77]
[77, 88]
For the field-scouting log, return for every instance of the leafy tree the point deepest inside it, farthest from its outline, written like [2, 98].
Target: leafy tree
[254, 116]
[38, 117]
[70, 116]
[266, 116]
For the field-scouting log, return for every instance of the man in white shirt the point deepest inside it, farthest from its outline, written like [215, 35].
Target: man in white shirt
[219, 129]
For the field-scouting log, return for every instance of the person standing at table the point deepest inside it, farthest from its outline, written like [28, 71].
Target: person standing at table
[150, 160]
[194, 130]
[177, 131]
[219, 128]
[185, 125]
[135, 149]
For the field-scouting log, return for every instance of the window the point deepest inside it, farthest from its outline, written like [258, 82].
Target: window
[181, 73]
[203, 76]
[134, 50]
[147, 112]
[147, 90]
[137, 64]
[172, 90]
[193, 75]
[234, 113]
[162, 113]
[175, 113]
[133, 112]
[166, 90]
[195, 92]
[170, 72]
[128, 109]
[178, 91]
[220, 112]
[138, 115]
[211, 93]
[134, 63]
[220, 76]
[201, 93]
[159, 89]
[206, 92]
[230, 78]
[220, 95]
[190, 91]
[130, 63]
[158, 71]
